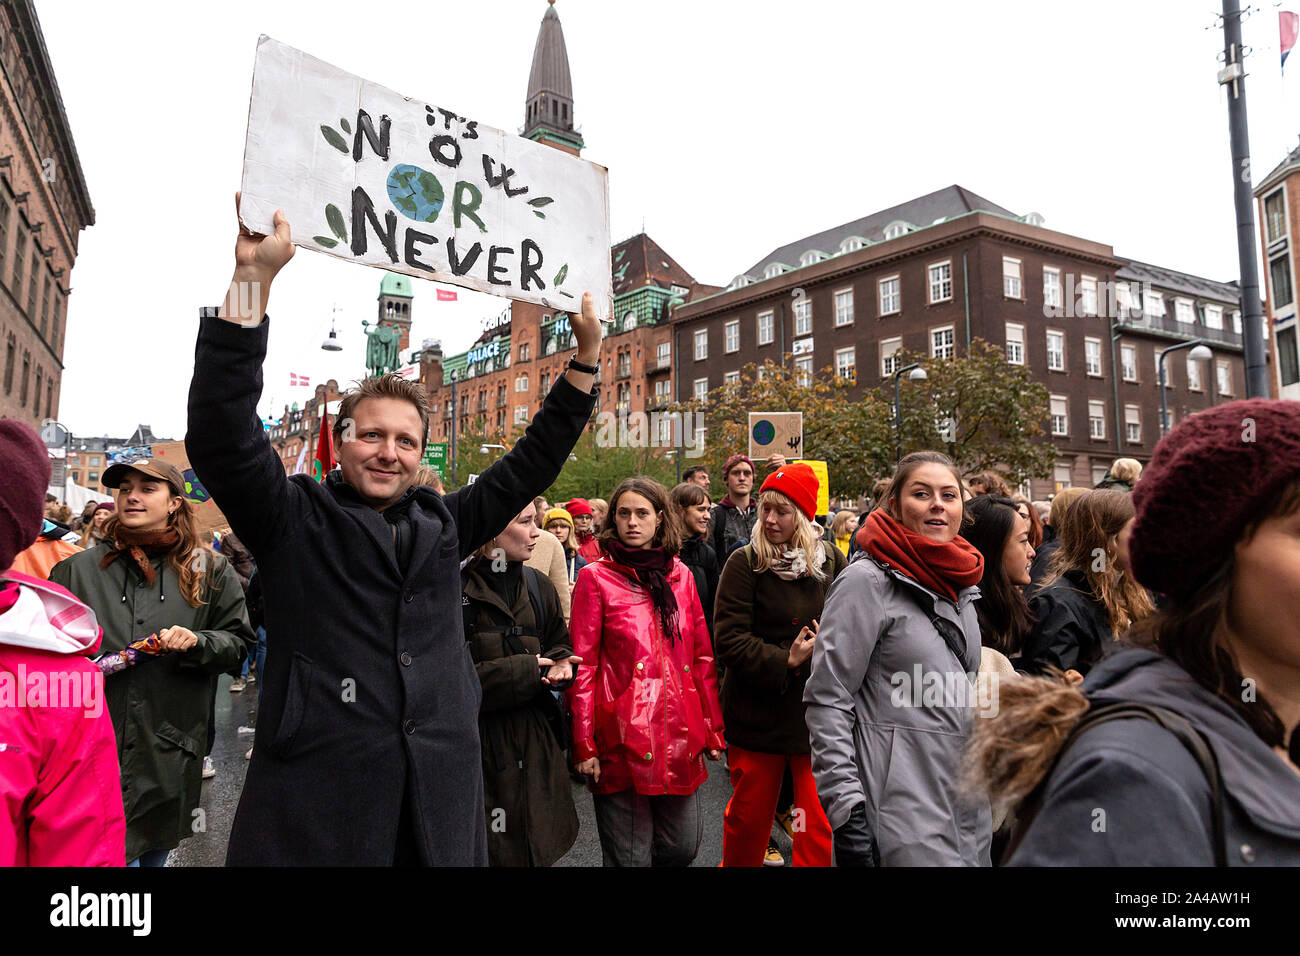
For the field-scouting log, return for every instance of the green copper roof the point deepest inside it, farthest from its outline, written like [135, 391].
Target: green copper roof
[396, 285]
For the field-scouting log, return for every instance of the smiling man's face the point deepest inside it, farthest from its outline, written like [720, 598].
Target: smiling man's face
[381, 462]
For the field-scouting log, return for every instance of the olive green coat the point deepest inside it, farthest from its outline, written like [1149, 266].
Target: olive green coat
[160, 706]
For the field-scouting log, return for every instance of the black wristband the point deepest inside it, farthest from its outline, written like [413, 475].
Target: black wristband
[583, 367]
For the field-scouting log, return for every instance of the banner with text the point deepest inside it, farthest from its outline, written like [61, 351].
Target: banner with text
[374, 177]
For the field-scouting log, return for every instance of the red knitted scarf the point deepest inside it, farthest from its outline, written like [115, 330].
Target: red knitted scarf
[943, 567]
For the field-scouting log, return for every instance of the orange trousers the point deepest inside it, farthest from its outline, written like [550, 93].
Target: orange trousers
[747, 821]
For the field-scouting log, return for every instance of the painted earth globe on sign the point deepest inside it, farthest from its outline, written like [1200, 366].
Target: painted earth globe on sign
[764, 432]
[415, 192]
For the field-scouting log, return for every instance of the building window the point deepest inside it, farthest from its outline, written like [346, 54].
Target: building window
[895, 229]
[1132, 424]
[773, 270]
[22, 384]
[1153, 304]
[525, 351]
[94, 461]
[889, 355]
[1060, 415]
[731, 336]
[844, 307]
[1279, 273]
[1123, 300]
[803, 366]
[809, 258]
[94, 477]
[1223, 373]
[31, 287]
[730, 377]
[1055, 350]
[5, 211]
[1088, 295]
[521, 414]
[1236, 322]
[701, 390]
[20, 256]
[1275, 216]
[940, 282]
[1061, 476]
[851, 244]
[1015, 343]
[1194, 376]
[1214, 317]
[890, 298]
[629, 321]
[803, 316]
[941, 342]
[664, 354]
[10, 352]
[1092, 355]
[1051, 287]
[1168, 371]
[765, 324]
[1011, 277]
[845, 363]
[1183, 311]
[701, 344]
[1128, 359]
[1288, 361]
[1097, 419]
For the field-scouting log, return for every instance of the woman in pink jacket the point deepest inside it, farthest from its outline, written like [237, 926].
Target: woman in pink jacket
[645, 701]
[60, 793]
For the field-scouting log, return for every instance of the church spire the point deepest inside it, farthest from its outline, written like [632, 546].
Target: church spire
[548, 108]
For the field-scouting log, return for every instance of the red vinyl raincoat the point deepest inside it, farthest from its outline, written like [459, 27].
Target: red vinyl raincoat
[646, 707]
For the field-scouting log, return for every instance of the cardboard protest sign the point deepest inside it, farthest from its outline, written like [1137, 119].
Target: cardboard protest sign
[823, 484]
[374, 177]
[207, 515]
[771, 433]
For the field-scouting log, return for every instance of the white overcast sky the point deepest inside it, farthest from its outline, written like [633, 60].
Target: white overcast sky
[729, 128]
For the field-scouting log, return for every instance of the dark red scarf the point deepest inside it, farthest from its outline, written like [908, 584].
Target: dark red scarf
[651, 566]
[140, 546]
[943, 567]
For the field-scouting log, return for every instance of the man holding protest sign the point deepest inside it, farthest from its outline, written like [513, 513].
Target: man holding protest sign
[367, 751]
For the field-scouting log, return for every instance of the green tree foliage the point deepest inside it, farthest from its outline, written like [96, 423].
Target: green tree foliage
[604, 457]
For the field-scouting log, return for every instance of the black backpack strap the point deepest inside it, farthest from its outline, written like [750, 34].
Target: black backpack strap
[1177, 725]
[532, 580]
[952, 634]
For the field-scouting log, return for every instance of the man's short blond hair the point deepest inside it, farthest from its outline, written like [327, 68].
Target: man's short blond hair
[391, 385]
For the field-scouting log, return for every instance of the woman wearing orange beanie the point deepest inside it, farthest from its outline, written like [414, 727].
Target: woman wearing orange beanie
[892, 696]
[765, 626]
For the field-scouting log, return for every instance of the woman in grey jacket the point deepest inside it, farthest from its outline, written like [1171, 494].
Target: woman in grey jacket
[892, 691]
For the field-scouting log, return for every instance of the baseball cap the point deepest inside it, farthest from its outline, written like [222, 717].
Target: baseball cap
[162, 470]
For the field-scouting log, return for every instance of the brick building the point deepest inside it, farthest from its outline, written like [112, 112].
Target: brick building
[1278, 199]
[934, 273]
[88, 456]
[44, 205]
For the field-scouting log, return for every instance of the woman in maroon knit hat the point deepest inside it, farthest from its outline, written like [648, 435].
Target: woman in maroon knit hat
[1208, 771]
[765, 624]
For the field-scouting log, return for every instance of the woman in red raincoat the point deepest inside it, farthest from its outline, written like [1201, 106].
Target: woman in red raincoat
[645, 701]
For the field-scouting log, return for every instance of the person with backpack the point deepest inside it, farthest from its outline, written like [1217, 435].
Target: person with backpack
[645, 701]
[890, 697]
[734, 516]
[691, 504]
[1185, 739]
[515, 628]
[1089, 598]
[769, 600]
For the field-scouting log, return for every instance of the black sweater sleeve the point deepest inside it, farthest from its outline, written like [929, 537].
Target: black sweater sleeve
[482, 509]
[226, 443]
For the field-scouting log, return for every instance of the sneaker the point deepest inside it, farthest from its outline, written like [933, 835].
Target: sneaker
[773, 856]
[251, 678]
[209, 771]
[247, 730]
[237, 685]
[785, 820]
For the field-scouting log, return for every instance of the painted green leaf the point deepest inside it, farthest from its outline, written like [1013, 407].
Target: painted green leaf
[539, 215]
[333, 138]
[325, 241]
[335, 218]
[567, 295]
[347, 128]
[559, 276]
[541, 201]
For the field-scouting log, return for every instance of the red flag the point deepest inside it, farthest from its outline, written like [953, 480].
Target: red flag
[446, 295]
[325, 460]
[296, 380]
[1288, 24]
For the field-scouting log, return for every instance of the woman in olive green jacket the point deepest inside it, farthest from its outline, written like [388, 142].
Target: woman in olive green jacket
[150, 576]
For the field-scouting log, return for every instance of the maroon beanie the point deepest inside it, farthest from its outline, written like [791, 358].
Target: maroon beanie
[1207, 478]
[22, 493]
[733, 461]
[799, 483]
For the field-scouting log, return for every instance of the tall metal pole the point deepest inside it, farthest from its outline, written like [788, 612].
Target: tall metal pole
[1160, 364]
[452, 469]
[1233, 76]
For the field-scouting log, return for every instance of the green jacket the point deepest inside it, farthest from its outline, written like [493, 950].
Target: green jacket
[160, 706]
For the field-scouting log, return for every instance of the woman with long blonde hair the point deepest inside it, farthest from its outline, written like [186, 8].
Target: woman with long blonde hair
[1090, 597]
[151, 576]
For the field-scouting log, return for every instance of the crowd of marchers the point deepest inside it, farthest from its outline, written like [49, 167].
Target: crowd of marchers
[952, 676]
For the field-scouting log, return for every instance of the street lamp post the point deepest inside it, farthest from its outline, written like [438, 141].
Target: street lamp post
[918, 375]
[452, 469]
[1199, 352]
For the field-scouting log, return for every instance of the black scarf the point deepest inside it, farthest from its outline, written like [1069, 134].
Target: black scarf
[650, 565]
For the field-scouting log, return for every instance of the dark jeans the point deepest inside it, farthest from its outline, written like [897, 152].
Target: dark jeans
[648, 831]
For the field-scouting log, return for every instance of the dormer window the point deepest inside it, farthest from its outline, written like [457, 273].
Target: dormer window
[629, 321]
[851, 244]
[896, 229]
[740, 281]
[773, 270]
[1034, 218]
[811, 257]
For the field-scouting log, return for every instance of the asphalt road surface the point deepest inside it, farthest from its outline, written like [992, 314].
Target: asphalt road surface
[221, 796]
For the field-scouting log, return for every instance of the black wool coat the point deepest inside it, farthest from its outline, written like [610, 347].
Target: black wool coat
[369, 693]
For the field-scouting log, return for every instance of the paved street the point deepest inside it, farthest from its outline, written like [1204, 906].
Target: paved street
[221, 796]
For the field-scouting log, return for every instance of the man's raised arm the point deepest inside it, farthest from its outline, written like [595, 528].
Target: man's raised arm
[225, 441]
